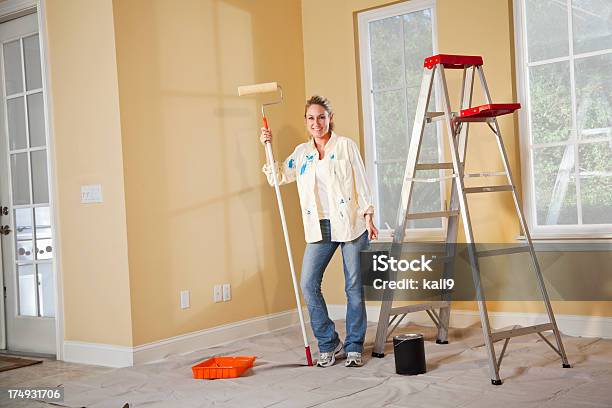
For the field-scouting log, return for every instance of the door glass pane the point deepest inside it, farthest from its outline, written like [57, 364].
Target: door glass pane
[27, 290]
[46, 293]
[20, 176]
[551, 106]
[555, 186]
[36, 120]
[591, 20]
[386, 46]
[596, 182]
[12, 67]
[547, 34]
[39, 177]
[44, 242]
[23, 234]
[594, 96]
[15, 111]
[31, 53]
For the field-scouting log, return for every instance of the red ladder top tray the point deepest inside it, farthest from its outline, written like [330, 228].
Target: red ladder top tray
[452, 61]
[489, 111]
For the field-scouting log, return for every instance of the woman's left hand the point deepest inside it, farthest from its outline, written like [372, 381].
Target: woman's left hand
[372, 230]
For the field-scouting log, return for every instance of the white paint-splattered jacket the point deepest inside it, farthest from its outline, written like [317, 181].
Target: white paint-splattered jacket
[349, 195]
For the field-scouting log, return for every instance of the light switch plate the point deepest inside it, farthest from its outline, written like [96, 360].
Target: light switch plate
[227, 292]
[184, 299]
[218, 294]
[91, 193]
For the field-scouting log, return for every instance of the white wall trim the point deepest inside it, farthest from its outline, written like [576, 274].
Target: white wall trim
[10, 9]
[572, 325]
[52, 174]
[100, 354]
[123, 356]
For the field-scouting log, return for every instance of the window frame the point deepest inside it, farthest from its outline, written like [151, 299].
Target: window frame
[578, 231]
[365, 86]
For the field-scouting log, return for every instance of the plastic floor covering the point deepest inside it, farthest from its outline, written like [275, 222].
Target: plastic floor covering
[457, 376]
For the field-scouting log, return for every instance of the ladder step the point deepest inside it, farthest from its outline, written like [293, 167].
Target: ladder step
[452, 61]
[418, 308]
[432, 115]
[442, 259]
[487, 189]
[435, 116]
[502, 251]
[490, 110]
[434, 166]
[433, 214]
[485, 174]
[521, 331]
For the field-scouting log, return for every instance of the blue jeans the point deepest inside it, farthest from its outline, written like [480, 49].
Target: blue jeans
[316, 259]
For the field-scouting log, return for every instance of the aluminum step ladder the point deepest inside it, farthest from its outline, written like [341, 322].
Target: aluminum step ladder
[457, 126]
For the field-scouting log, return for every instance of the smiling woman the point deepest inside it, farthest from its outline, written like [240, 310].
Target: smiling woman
[337, 212]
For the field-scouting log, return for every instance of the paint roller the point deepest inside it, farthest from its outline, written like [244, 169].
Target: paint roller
[266, 88]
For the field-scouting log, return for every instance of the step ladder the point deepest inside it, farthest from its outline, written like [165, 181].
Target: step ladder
[457, 126]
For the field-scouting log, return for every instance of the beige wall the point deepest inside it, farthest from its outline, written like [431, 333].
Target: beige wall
[87, 148]
[199, 212]
[331, 67]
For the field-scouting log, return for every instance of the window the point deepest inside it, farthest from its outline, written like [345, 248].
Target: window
[393, 42]
[564, 66]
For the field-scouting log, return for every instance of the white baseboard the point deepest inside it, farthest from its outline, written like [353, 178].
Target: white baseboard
[122, 356]
[108, 355]
[572, 325]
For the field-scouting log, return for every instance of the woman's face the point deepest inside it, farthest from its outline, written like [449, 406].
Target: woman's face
[318, 121]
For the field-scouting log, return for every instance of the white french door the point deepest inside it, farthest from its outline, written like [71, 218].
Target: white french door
[25, 213]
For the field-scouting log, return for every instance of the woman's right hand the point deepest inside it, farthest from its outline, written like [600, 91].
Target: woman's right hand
[265, 136]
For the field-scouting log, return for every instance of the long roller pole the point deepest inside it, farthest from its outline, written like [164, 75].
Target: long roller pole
[281, 210]
[270, 87]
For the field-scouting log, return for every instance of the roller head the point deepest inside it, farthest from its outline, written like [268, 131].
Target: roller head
[257, 88]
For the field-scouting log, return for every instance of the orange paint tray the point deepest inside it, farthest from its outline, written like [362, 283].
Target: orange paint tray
[222, 367]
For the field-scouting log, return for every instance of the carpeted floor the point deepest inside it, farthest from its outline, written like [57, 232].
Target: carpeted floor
[457, 377]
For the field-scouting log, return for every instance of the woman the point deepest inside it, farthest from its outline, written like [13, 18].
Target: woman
[337, 212]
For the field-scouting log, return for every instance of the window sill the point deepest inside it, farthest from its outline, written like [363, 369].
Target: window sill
[424, 235]
[569, 244]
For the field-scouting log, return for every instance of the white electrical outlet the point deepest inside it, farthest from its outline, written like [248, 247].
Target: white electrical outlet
[184, 299]
[227, 292]
[218, 294]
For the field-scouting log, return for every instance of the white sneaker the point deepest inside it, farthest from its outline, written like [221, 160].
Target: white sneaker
[353, 359]
[328, 359]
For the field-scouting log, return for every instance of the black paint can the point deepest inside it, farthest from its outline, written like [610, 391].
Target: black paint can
[409, 351]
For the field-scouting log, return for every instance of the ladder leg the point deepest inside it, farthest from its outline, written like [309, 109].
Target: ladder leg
[467, 87]
[400, 230]
[459, 170]
[383, 324]
[523, 223]
[451, 246]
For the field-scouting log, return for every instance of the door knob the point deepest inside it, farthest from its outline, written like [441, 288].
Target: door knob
[5, 230]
